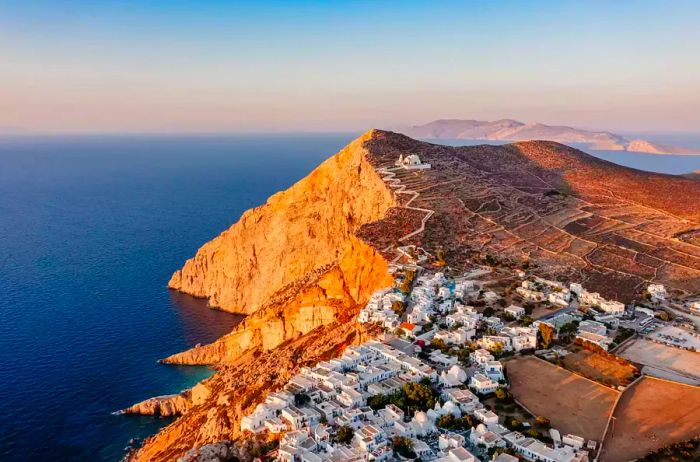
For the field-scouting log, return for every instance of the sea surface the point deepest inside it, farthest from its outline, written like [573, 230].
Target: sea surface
[91, 228]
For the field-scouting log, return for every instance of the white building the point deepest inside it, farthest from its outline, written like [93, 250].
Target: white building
[482, 384]
[657, 292]
[458, 455]
[486, 416]
[494, 370]
[536, 450]
[483, 436]
[454, 377]
[515, 311]
[480, 356]
[411, 162]
[465, 399]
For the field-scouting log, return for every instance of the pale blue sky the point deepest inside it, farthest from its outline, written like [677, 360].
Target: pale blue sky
[190, 66]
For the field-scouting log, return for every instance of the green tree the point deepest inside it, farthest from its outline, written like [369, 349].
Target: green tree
[419, 396]
[344, 434]
[446, 421]
[301, 399]
[439, 344]
[403, 446]
[542, 421]
[440, 257]
[398, 307]
[377, 401]
[501, 393]
[546, 335]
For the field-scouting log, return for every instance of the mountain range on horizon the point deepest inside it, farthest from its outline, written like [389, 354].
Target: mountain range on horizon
[513, 130]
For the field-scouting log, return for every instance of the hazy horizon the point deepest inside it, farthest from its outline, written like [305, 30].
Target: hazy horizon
[301, 66]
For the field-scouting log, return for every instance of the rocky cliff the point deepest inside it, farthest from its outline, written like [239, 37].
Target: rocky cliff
[296, 266]
[294, 234]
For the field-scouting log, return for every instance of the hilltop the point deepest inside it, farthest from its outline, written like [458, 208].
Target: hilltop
[304, 264]
[513, 130]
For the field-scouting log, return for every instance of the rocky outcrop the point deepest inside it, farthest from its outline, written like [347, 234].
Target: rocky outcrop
[297, 268]
[296, 233]
[170, 405]
[238, 387]
[648, 147]
[332, 296]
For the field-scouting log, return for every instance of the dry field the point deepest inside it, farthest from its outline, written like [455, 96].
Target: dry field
[572, 403]
[599, 368]
[652, 414]
[663, 361]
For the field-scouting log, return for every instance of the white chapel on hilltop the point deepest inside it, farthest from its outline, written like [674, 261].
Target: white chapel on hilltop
[411, 161]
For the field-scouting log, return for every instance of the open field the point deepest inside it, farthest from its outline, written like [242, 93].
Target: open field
[572, 403]
[663, 361]
[599, 368]
[652, 414]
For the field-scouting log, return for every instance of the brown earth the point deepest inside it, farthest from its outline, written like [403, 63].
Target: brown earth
[573, 216]
[600, 368]
[572, 403]
[302, 265]
[651, 414]
[663, 360]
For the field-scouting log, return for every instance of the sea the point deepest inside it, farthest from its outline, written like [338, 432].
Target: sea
[91, 228]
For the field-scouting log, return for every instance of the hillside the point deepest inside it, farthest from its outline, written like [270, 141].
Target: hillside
[512, 130]
[573, 215]
[304, 264]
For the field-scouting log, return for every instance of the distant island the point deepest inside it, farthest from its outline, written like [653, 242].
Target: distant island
[513, 130]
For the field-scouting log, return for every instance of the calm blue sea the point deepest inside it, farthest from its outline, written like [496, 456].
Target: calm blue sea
[91, 228]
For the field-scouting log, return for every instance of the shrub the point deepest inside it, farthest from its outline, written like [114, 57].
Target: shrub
[344, 434]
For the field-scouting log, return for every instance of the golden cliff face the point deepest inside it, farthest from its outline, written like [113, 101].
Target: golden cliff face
[296, 267]
[335, 295]
[294, 234]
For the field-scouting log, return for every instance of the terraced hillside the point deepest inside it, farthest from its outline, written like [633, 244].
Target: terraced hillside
[570, 214]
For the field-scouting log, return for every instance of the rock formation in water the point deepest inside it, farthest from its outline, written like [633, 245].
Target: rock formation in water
[648, 147]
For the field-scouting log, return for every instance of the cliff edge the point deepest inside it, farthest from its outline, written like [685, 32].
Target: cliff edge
[297, 268]
[294, 234]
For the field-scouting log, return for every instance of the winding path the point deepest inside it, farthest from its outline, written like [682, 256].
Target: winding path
[389, 177]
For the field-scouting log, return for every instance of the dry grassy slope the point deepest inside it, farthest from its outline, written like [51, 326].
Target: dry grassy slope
[574, 216]
[588, 175]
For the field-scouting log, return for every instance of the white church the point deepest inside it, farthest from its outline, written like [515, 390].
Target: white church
[411, 162]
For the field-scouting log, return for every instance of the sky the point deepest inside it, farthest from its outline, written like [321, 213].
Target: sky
[226, 66]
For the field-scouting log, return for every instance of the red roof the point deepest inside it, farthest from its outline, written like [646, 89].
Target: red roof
[407, 326]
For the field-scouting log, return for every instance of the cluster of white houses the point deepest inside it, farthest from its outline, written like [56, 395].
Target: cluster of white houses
[319, 400]
[336, 392]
